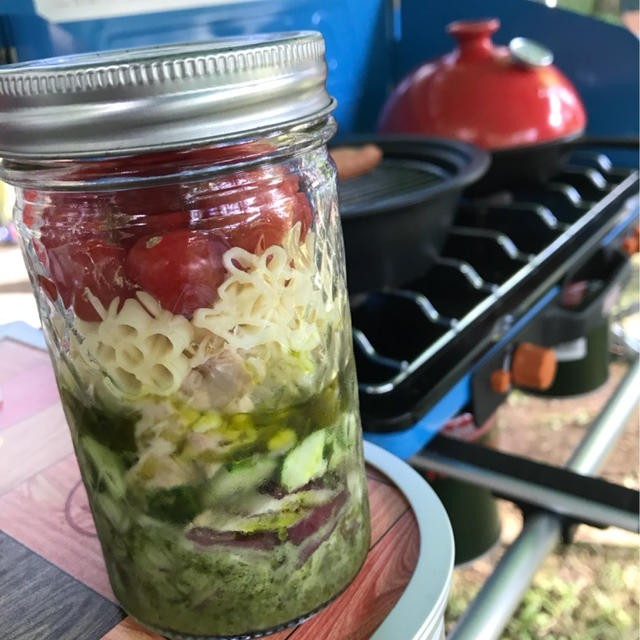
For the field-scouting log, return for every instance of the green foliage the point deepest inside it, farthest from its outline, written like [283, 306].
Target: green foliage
[608, 10]
[588, 593]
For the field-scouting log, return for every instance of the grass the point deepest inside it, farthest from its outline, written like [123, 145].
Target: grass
[581, 592]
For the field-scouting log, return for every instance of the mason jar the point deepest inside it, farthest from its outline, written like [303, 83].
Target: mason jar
[177, 211]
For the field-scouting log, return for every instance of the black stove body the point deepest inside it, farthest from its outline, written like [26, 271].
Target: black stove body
[425, 351]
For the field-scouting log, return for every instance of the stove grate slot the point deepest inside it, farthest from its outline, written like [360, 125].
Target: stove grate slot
[492, 254]
[529, 212]
[396, 325]
[530, 227]
[563, 200]
[601, 162]
[617, 175]
[371, 366]
[449, 290]
[500, 239]
[469, 273]
[594, 159]
[424, 304]
[590, 183]
[371, 371]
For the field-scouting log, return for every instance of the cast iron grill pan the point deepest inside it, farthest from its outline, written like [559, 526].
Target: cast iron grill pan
[396, 217]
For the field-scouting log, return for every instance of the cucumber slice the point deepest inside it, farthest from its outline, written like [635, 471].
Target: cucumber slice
[340, 441]
[106, 467]
[305, 462]
[113, 512]
[265, 522]
[221, 520]
[239, 477]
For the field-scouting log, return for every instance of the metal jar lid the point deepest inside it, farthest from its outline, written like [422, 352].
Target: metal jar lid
[147, 98]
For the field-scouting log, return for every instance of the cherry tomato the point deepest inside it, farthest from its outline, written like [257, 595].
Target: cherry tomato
[71, 218]
[253, 228]
[58, 233]
[228, 153]
[172, 197]
[182, 269]
[48, 287]
[150, 200]
[258, 215]
[270, 223]
[91, 264]
[126, 230]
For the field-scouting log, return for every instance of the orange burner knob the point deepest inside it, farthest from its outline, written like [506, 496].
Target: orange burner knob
[631, 245]
[501, 381]
[533, 366]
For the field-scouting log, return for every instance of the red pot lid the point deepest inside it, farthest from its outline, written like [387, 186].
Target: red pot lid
[494, 97]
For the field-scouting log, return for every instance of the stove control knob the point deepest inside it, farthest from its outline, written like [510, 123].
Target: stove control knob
[533, 366]
[501, 381]
[631, 245]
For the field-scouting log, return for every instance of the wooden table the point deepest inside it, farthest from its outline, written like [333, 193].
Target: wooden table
[53, 582]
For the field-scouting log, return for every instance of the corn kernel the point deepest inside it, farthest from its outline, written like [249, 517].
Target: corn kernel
[282, 441]
[208, 422]
[241, 421]
[187, 414]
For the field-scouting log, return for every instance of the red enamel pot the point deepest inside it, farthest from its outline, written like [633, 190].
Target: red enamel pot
[509, 100]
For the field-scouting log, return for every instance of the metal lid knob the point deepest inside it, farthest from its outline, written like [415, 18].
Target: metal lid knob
[530, 53]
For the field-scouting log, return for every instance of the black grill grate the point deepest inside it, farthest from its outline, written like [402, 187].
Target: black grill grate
[501, 255]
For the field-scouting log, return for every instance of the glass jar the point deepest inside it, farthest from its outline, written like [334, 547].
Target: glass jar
[192, 294]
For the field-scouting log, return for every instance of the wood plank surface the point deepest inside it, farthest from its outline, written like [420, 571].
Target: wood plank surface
[27, 393]
[49, 513]
[129, 629]
[38, 601]
[376, 474]
[386, 505]
[33, 445]
[17, 357]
